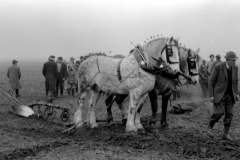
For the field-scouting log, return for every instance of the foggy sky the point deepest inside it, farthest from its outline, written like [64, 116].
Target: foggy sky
[36, 29]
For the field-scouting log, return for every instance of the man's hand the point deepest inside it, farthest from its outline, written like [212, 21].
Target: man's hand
[63, 79]
[211, 99]
[238, 98]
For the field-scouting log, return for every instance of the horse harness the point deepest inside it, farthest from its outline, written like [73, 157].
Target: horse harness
[169, 53]
[191, 64]
[141, 59]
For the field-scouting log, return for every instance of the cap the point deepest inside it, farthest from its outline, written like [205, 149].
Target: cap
[60, 58]
[14, 61]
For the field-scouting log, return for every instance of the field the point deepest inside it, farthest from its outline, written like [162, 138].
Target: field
[33, 138]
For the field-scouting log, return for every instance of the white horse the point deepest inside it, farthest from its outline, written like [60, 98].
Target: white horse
[123, 76]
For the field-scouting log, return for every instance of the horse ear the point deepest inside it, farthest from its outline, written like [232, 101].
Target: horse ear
[197, 51]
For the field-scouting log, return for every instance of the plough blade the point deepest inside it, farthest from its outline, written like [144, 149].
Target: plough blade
[22, 110]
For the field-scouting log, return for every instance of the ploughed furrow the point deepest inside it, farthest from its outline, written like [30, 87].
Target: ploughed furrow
[31, 151]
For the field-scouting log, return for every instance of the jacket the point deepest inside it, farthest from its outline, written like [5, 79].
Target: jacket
[219, 80]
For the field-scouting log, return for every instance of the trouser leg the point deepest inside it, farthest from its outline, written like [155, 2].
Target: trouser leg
[61, 87]
[57, 86]
[228, 111]
[204, 87]
[218, 112]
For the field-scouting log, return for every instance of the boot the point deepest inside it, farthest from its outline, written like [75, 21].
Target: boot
[226, 135]
[209, 132]
[73, 92]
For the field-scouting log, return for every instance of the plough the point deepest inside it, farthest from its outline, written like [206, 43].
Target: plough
[49, 109]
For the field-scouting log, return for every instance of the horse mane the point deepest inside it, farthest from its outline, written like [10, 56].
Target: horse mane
[118, 56]
[93, 54]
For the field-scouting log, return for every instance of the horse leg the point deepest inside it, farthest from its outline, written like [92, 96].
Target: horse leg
[109, 102]
[91, 118]
[154, 105]
[119, 100]
[78, 118]
[134, 99]
[137, 120]
[165, 99]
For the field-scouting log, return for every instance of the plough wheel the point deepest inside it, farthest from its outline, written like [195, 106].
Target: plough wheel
[65, 116]
[49, 113]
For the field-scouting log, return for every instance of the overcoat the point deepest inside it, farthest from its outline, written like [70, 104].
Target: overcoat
[14, 75]
[219, 80]
[50, 73]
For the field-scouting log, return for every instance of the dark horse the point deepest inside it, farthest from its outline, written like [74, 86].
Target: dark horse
[165, 84]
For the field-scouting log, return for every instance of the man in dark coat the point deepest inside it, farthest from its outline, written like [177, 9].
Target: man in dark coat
[50, 73]
[61, 76]
[223, 90]
[14, 75]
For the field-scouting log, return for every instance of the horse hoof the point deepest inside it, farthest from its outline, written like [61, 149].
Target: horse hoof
[165, 126]
[152, 122]
[141, 131]
[124, 122]
[154, 130]
[111, 124]
[95, 125]
[131, 129]
[132, 133]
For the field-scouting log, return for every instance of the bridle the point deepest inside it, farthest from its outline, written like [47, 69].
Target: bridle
[192, 64]
[169, 53]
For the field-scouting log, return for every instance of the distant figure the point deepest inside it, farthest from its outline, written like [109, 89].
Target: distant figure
[176, 91]
[218, 60]
[81, 59]
[210, 64]
[14, 75]
[76, 66]
[61, 76]
[71, 62]
[223, 90]
[203, 78]
[50, 73]
[71, 81]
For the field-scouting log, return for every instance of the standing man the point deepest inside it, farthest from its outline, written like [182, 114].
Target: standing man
[61, 76]
[210, 64]
[203, 78]
[223, 90]
[14, 75]
[50, 73]
[218, 60]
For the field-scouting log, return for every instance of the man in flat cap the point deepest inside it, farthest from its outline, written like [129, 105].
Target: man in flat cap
[50, 73]
[223, 90]
[14, 75]
[61, 75]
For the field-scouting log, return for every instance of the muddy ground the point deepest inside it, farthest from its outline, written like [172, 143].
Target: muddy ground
[33, 138]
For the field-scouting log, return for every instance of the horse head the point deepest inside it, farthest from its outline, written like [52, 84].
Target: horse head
[165, 50]
[189, 63]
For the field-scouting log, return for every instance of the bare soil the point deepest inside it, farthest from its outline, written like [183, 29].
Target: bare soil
[33, 138]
